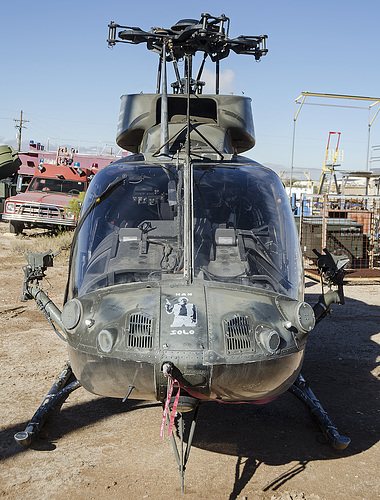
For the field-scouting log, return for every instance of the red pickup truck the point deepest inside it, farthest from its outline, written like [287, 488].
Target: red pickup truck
[45, 202]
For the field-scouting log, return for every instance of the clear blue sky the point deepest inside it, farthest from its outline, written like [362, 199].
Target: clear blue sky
[57, 68]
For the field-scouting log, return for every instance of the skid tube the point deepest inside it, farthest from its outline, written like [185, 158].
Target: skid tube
[302, 391]
[54, 399]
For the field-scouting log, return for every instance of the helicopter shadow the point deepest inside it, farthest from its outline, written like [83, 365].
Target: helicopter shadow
[68, 420]
[339, 365]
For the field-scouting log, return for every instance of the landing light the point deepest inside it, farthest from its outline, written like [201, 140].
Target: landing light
[71, 314]
[305, 317]
[269, 339]
[272, 341]
[106, 340]
[299, 316]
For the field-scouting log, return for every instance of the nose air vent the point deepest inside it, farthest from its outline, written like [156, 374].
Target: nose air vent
[238, 334]
[140, 331]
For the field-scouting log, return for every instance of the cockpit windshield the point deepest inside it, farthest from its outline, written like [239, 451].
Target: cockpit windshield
[243, 228]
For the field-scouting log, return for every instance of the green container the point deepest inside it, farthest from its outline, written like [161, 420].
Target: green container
[344, 236]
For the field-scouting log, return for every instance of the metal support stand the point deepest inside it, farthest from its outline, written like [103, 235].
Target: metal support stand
[301, 389]
[182, 456]
[58, 393]
[332, 173]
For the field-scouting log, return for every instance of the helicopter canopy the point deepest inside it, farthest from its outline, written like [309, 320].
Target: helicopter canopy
[243, 229]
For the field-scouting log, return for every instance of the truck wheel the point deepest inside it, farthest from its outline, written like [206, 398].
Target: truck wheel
[16, 227]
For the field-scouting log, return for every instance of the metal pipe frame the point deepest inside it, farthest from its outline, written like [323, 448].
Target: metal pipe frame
[301, 101]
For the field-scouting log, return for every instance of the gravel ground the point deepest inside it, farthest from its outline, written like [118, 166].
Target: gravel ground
[98, 448]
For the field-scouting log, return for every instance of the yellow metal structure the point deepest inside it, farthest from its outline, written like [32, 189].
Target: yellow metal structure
[332, 156]
[307, 175]
[300, 101]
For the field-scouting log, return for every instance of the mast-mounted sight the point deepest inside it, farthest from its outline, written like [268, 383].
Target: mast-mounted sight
[209, 35]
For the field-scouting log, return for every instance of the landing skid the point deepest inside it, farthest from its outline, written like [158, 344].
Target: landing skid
[62, 388]
[57, 395]
[301, 389]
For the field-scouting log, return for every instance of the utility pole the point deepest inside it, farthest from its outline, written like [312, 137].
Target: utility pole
[20, 127]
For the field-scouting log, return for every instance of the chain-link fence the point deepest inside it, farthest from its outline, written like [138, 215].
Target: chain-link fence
[345, 225]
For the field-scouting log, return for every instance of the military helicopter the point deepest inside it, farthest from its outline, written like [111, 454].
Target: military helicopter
[185, 280]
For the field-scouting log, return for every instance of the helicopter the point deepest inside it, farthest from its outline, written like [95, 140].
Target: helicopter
[185, 281]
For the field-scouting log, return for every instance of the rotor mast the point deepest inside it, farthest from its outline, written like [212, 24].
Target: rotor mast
[181, 42]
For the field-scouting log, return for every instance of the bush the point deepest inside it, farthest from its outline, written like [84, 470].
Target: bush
[75, 204]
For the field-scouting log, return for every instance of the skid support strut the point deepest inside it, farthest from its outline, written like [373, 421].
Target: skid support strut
[58, 393]
[182, 455]
[301, 389]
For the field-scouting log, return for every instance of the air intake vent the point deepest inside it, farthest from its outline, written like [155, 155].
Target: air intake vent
[238, 334]
[140, 331]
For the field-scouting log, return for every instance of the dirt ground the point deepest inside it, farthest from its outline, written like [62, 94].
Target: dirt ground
[98, 448]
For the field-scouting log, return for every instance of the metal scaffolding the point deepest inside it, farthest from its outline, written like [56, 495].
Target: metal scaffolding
[300, 101]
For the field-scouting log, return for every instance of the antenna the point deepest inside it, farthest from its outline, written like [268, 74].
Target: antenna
[164, 106]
